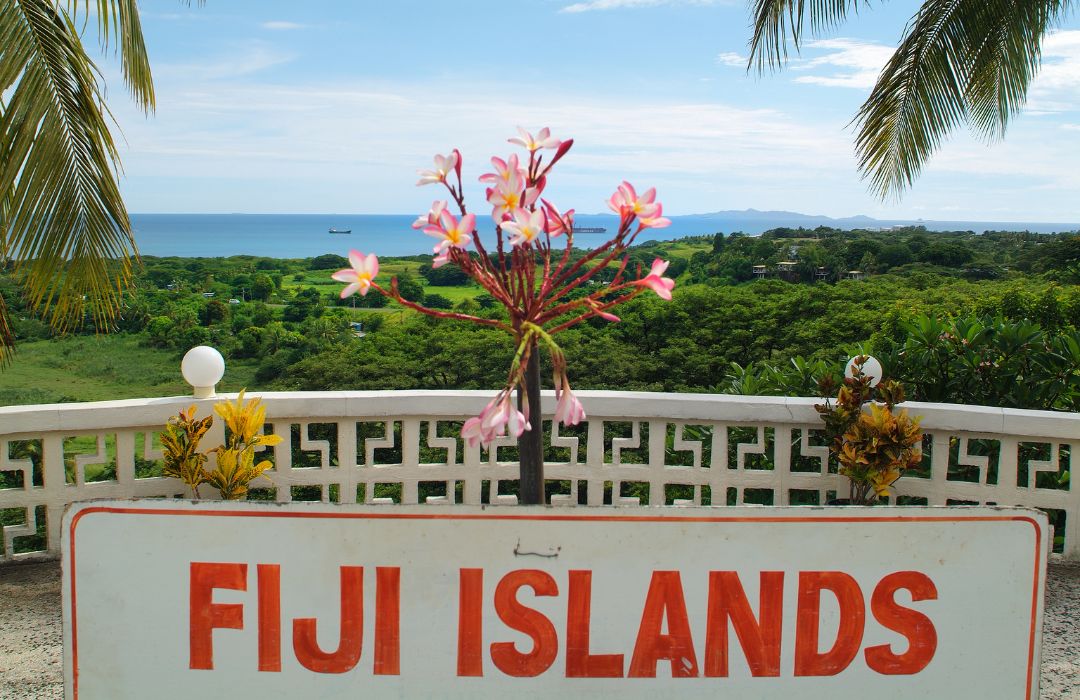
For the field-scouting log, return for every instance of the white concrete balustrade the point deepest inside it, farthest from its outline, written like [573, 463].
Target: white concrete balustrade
[635, 449]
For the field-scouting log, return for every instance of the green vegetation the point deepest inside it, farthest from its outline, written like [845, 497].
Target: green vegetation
[1010, 296]
[89, 368]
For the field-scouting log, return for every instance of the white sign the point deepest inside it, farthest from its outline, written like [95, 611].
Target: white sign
[166, 599]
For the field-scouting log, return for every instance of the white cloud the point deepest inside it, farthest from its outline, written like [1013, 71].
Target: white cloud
[1056, 88]
[360, 144]
[730, 58]
[237, 144]
[847, 63]
[591, 5]
[247, 59]
[278, 25]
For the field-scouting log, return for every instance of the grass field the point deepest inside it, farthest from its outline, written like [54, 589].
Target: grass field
[88, 368]
[684, 249]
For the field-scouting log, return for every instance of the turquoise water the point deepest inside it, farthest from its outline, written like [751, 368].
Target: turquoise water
[306, 235]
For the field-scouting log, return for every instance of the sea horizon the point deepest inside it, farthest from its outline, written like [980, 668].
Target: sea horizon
[308, 235]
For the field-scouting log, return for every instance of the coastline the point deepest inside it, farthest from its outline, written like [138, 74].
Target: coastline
[294, 236]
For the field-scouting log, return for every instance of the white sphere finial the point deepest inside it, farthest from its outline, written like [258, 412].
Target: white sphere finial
[871, 368]
[203, 367]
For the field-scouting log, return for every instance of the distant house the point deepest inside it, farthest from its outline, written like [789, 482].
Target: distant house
[854, 275]
[234, 301]
[821, 274]
[208, 295]
[786, 270]
[760, 271]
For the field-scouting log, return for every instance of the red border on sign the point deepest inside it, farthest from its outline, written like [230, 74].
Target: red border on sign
[509, 516]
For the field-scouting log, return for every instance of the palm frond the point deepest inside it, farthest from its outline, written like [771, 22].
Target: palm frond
[7, 333]
[775, 20]
[64, 224]
[959, 60]
[1008, 59]
[118, 21]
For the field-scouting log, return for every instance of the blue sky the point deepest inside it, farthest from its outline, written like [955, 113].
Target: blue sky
[278, 107]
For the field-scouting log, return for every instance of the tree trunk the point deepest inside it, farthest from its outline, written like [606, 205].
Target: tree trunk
[531, 444]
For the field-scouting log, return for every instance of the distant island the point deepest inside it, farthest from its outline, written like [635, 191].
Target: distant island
[806, 219]
[796, 219]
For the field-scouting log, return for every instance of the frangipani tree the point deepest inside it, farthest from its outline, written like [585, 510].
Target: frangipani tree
[532, 281]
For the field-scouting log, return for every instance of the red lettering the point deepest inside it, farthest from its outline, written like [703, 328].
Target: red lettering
[579, 662]
[470, 622]
[387, 621]
[664, 600]
[205, 615]
[526, 620]
[918, 628]
[809, 661]
[760, 640]
[305, 640]
[269, 576]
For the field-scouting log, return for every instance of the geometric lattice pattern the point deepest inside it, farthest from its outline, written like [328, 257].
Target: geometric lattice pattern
[634, 449]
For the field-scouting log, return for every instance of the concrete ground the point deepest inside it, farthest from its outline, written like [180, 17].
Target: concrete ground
[31, 654]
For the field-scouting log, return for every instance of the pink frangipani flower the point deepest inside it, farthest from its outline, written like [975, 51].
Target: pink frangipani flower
[487, 426]
[443, 166]
[451, 232]
[504, 198]
[493, 422]
[360, 275]
[556, 221]
[432, 217]
[543, 140]
[496, 414]
[505, 171]
[524, 227]
[656, 282]
[473, 432]
[441, 259]
[626, 201]
[568, 409]
[655, 220]
[518, 423]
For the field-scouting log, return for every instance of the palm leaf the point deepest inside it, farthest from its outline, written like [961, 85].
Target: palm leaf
[121, 18]
[959, 60]
[7, 333]
[775, 20]
[1007, 60]
[63, 223]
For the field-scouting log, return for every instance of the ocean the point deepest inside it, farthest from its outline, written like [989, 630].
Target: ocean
[307, 235]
